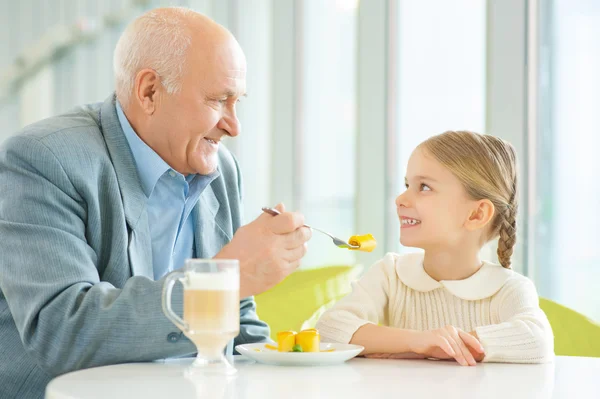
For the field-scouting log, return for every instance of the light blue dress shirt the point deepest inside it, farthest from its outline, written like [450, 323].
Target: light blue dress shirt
[171, 199]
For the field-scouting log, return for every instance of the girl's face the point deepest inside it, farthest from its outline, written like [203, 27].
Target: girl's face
[435, 208]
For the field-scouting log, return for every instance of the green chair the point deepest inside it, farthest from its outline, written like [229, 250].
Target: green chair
[298, 301]
[574, 334]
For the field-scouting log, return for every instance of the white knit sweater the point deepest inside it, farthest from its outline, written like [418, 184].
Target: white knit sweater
[502, 306]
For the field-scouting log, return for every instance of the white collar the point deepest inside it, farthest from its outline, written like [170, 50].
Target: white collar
[483, 284]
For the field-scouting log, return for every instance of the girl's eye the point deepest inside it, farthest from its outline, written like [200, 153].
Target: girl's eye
[425, 187]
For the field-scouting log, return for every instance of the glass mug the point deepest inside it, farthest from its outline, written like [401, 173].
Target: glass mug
[211, 310]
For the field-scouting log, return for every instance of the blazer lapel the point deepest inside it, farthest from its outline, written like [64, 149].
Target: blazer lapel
[209, 237]
[132, 194]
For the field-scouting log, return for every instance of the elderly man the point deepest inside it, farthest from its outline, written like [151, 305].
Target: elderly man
[99, 204]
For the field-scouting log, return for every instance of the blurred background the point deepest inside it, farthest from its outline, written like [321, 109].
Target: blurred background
[340, 93]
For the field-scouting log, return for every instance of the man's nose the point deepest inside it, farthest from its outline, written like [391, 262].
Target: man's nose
[230, 123]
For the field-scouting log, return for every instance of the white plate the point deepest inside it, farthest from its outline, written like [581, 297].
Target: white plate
[340, 353]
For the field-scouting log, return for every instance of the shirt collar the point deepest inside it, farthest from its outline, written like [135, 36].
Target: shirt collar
[483, 284]
[149, 164]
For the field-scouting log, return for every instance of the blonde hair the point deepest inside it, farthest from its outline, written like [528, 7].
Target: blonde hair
[158, 40]
[487, 168]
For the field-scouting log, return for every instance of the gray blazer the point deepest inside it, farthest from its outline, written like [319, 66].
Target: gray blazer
[76, 278]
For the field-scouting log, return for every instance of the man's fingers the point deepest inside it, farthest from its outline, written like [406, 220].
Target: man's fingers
[280, 207]
[286, 222]
[292, 266]
[296, 238]
[284, 269]
[293, 255]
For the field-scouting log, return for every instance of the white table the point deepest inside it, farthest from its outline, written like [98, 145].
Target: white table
[567, 377]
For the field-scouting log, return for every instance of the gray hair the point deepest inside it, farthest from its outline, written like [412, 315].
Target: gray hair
[156, 40]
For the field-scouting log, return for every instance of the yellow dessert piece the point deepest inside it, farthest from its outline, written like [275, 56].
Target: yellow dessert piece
[309, 340]
[286, 340]
[365, 243]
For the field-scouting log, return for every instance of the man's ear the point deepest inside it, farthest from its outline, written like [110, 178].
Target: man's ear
[482, 213]
[147, 84]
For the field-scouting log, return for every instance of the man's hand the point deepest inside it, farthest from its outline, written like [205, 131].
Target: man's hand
[268, 249]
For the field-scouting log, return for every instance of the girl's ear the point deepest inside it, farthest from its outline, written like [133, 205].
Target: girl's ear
[482, 213]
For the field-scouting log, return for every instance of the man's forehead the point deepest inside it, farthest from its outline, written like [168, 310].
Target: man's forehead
[234, 74]
[229, 86]
[235, 83]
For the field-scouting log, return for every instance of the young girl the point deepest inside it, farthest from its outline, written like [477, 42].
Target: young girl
[446, 303]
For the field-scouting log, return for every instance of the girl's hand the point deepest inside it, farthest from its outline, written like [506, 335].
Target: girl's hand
[476, 354]
[411, 355]
[407, 355]
[448, 343]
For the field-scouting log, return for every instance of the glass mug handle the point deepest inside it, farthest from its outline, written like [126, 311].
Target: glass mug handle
[166, 301]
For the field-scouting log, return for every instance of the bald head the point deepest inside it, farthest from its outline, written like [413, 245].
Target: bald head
[161, 39]
[179, 76]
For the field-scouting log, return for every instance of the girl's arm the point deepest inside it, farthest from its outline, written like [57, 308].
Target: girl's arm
[524, 334]
[444, 343]
[366, 304]
[382, 339]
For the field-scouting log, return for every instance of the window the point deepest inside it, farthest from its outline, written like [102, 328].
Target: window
[440, 84]
[567, 236]
[326, 128]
